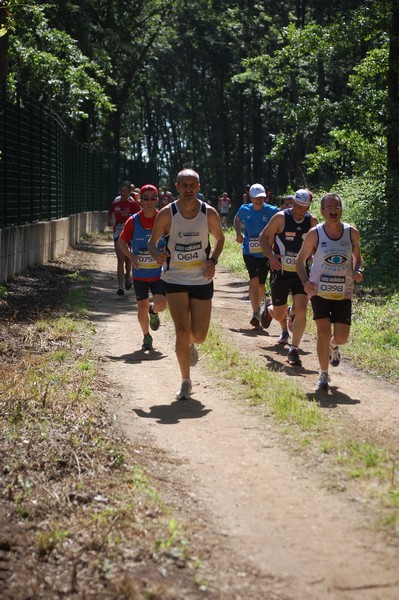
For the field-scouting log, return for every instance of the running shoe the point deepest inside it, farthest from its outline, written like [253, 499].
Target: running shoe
[255, 319]
[323, 380]
[154, 318]
[128, 283]
[147, 342]
[185, 390]
[284, 337]
[265, 317]
[291, 318]
[193, 355]
[120, 291]
[335, 356]
[293, 357]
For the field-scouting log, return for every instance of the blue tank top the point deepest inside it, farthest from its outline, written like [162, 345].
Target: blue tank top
[149, 270]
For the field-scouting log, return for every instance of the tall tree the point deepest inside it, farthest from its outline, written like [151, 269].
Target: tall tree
[392, 181]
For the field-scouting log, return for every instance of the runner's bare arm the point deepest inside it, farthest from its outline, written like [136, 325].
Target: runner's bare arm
[125, 248]
[357, 260]
[238, 229]
[161, 227]
[307, 249]
[266, 239]
[216, 231]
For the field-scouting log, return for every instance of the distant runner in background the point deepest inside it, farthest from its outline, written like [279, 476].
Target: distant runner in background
[123, 207]
[165, 197]
[253, 216]
[287, 201]
[224, 204]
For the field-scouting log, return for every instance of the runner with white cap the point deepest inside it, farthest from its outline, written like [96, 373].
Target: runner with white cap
[281, 240]
[253, 217]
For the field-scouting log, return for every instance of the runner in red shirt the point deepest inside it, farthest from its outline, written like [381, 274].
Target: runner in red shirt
[118, 212]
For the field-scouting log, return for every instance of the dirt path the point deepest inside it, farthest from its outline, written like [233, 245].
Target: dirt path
[271, 524]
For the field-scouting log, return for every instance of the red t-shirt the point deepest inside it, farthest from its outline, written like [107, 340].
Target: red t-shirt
[122, 209]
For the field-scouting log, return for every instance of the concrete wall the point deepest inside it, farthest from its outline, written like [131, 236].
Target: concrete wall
[35, 244]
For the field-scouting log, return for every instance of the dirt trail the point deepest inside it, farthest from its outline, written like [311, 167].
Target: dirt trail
[228, 469]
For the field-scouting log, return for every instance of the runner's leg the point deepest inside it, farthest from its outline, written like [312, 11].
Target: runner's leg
[300, 302]
[142, 315]
[340, 334]
[200, 314]
[159, 302]
[323, 342]
[179, 307]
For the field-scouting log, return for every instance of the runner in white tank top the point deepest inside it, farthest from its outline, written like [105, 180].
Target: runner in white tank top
[188, 246]
[188, 268]
[337, 261]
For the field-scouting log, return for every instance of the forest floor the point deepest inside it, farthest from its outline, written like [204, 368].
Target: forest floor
[278, 520]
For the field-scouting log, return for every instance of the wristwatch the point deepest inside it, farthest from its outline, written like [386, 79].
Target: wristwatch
[214, 260]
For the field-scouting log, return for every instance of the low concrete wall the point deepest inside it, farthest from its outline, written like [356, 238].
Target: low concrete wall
[37, 243]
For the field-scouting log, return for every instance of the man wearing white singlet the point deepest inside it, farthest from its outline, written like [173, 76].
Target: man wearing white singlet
[336, 264]
[188, 268]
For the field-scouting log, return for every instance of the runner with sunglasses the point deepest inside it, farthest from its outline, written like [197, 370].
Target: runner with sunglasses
[146, 272]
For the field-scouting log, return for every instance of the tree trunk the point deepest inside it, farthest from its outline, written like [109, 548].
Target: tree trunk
[392, 190]
[3, 47]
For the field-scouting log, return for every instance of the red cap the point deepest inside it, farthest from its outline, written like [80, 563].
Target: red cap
[148, 186]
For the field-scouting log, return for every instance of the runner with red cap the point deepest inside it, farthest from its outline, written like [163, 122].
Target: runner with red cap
[146, 272]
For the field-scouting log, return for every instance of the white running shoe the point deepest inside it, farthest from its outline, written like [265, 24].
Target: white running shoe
[323, 381]
[193, 355]
[185, 390]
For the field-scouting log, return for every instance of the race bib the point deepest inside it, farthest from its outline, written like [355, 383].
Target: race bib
[146, 261]
[288, 261]
[254, 245]
[188, 256]
[332, 287]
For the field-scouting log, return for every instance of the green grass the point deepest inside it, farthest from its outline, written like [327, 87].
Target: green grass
[257, 385]
[58, 443]
[306, 424]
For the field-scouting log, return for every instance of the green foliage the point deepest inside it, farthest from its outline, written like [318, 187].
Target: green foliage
[241, 91]
[365, 206]
[48, 65]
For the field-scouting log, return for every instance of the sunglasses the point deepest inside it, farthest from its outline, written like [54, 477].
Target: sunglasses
[150, 198]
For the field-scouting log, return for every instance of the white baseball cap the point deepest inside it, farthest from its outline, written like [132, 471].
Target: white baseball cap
[257, 190]
[303, 197]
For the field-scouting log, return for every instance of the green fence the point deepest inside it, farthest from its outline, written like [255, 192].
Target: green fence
[46, 174]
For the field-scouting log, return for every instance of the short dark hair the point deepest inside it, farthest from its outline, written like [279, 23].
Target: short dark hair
[328, 196]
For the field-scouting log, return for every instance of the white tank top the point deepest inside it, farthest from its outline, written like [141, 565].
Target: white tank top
[332, 265]
[188, 245]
